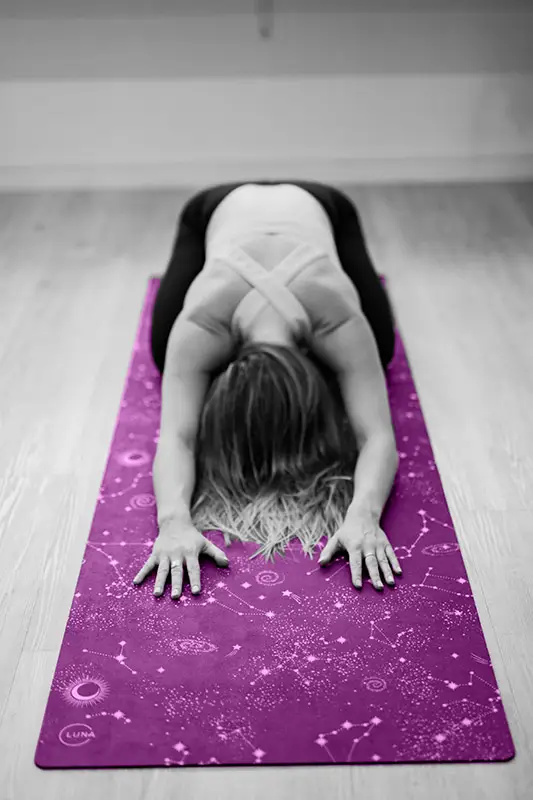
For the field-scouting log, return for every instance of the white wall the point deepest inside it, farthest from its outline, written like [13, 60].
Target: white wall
[152, 98]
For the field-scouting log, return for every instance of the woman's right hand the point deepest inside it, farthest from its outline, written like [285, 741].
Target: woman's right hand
[177, 545]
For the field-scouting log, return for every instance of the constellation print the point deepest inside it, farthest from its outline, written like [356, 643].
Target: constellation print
[133, 485]
[433, 549]
[254, 611]
[322, 741]
[342, 566]
[383, 637]
[118, 715]
[120, 585]
[453, 686]
[278, 662]
[121, 658]
[429, 573]
[238, 733]
[282, 665]
[465, 722]
[147, 543]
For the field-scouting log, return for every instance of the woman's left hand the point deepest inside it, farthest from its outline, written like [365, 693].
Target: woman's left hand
[363, 539]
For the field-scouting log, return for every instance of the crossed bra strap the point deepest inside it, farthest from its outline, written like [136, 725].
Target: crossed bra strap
[271, 286]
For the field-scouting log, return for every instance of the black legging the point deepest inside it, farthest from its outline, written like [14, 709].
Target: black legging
[188, 259]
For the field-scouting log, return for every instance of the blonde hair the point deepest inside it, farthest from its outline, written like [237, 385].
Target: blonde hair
[275, 454]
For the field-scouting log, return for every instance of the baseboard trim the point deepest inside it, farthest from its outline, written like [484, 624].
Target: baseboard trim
[203, 171]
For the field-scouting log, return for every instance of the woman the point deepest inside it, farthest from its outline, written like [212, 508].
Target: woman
[272, 332]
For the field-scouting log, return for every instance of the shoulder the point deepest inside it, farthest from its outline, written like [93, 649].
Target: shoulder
[327, 294]
[198, 345]
[213, 296]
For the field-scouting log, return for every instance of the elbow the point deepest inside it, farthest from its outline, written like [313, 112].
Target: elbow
[382, 437]
[386, 442]
[390, 444]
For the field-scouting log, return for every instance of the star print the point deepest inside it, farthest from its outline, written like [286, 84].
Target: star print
[341, 639]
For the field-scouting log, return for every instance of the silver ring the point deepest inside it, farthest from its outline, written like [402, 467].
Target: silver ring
[367, 555]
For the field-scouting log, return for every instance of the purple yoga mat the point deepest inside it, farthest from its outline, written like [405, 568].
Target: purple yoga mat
[273, 663]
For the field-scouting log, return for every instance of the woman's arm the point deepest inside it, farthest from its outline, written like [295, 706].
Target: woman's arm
[351, 351]
[174, 472]
[193, 352]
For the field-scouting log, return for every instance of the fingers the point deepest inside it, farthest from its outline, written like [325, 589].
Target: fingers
[356, 562]
[188, 557]
[215, 552]
[148, 567]
[372, 566]
[161, 577]
[384, 564]
[193, 569]
[373, 563]
[393, 560]
[176, 578]
[328, 551]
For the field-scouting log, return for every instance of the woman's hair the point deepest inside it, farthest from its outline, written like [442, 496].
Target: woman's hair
[275, 453]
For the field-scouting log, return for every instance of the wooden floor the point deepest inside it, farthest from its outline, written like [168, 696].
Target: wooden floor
[73, 272]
